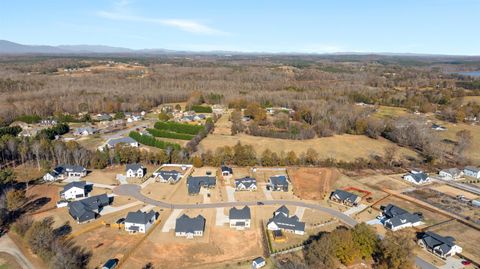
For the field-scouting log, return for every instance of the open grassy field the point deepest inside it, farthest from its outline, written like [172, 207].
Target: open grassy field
[390, 112]
[312, 183]
[7, 261]
[42, 197]
[27, 172]
[341, 147]
[379, 181]
[465, 236]
[452, 129]
[454, 191]
[468, 99]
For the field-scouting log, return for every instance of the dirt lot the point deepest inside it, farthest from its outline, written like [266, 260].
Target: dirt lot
[465, 236]
[340, 147]
[264, 173]
[447, 203]
[320, 178]
[164, 250]
[430, 217]
[345, 182]
[26, 173]
[43, 197]
[7, 261]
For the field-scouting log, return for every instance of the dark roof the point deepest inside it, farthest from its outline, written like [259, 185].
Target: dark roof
[110, 263]
[186, 224]
[288, 223]
[259, 260]
[240, 214]
[279, 181]
[194, 183]
[247, 181]
[226, 168]
[60, 169]
[418, 177]
[344, 196]
[391, 211]
[472, 169]
[134, 166]
[283, 209]
[433, 240]
[140, 217]
[82, 210]
[167, 174]
[127, 140]
[75, 184]
[404, 218]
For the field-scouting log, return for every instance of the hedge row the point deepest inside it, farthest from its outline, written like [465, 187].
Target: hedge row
[168, 134]
[152, 141]
[179, 127]
[52, 132]
[201, 109]
[13, 131]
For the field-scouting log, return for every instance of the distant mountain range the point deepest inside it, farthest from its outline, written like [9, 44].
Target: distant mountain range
[12, 48]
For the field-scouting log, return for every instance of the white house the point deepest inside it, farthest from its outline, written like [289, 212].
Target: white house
[166, 176]
[226, 171]
[135, 170]
[396, 218]
[239, 218]
[442, 246]
[417, 178]
[65, 171]
[84, 131]
[74, 190]
[471, 171]
[258, 263]
[282, 221]
[246, 184]
[450, 174]
[127, 141]
[139, 222]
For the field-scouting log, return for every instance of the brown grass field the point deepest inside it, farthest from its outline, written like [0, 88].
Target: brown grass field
[452, 129]
[380, 181]
[341, 147]
[46, 194]
[454, 191]
[345, 182]
[312, 183]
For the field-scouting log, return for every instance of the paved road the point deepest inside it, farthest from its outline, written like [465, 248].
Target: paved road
[135, 192]
[8, 246]
[459, 185]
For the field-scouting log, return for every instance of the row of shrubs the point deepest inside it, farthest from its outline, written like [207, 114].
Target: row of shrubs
[168, 134]
[152, 141]
[13, 131]
[50, 133]
[179, 127]
[201, 109]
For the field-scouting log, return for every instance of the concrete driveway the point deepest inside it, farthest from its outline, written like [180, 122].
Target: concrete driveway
[8, 246]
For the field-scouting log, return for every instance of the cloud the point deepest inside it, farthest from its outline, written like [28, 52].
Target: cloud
[182, 24]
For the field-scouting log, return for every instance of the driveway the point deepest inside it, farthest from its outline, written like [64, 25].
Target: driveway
[230, 193]
[170, 222]
[8, 246]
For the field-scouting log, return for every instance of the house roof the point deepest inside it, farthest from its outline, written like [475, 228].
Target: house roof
[259, 260]
[186, 224]
[344, 196]
[127, 140]
[279, 180]
[289, 223]
[433, 240]
[82, 210]
[452, 171]
[194, 183]
[283, 209]
[60, 169]
[167, 174]
[88, 129]
[418, 177]
[227, 169]
[239, 214]
[139, 217]
[246, 181]
[391, 211]
[399, 220]
[472, 169]
[133, 166]
[75, 184]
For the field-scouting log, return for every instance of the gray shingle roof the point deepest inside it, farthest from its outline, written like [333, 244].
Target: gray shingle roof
[167, 174]
[239, 214]
[391, 211]
[140, 217]
[419, 177]
[283, 209]
[127, 140]
[194, 183]
[433, 240]
[185, 224]
[452, 171]
[75, 184]
[246, 181]
[344, 196]
[63, 168]
[83, 210]
[279, 181]
[472, 169]
[288, 223]
[226, 168]
[133, 166]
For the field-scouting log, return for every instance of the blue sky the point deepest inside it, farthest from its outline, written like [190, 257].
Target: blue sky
[421, 26]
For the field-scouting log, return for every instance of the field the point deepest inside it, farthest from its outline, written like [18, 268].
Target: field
[7, 261]
[42, 197]
[26, 173]
[465, 236]
[313, 183]
[454, 191]
[223, 126]
[380, 181]
[390, 112]
[341, 147]
[345, 182]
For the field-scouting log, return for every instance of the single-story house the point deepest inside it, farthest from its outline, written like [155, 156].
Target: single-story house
[74, 190]
[472, 171]
[103, 117]
[451, 173]
[439, 245]
[282, 221]
[278, 183]
[226, 171]
[345, 197]
[139, 222]
[135, 170]
[417, 178]
[194, 183]
[437, 127]
[87, 209]
[127, 141]
[189, 227]
[171, 177]
[239, 218]
[396, 218]
[258, 263]
[84, 131]
[246, 184]
[65, 171]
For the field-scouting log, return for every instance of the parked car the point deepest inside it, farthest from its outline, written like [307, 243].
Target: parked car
[110, 264]
[260, 203]
[466, 262]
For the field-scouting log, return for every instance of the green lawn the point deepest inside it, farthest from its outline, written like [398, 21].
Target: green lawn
[389, 112]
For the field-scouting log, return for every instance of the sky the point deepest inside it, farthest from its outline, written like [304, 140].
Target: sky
[316, 26]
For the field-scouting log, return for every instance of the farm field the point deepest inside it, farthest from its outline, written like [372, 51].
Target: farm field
[465, 236]
[312, 183]
[340, 147]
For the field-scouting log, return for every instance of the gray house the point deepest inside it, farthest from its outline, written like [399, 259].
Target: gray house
[87, 209]
[189, 227]
[239, 218]
[278, 183]
[282, 221]
[171, 177]
[195, 183]
[345, 197]
[135, 170]
[396, 218]
[246, 184]
[439, 245]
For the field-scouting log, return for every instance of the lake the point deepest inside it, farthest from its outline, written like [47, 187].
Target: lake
[473, 73]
